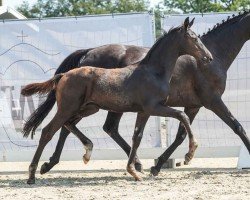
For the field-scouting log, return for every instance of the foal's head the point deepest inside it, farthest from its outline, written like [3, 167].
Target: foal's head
[191, 43]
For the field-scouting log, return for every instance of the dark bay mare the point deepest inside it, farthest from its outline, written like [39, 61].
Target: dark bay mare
[142, 87]
[203, 86]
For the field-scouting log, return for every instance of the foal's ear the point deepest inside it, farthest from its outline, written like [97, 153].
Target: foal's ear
[186, 24]
[191, 23]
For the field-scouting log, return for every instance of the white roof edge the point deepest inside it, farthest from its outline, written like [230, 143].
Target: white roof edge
[18, 15]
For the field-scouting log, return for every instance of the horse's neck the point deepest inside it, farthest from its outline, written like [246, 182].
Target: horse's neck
[225, 44]
[163, 57]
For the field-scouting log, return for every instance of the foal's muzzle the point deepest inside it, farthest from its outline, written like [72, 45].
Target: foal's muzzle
[207, 59]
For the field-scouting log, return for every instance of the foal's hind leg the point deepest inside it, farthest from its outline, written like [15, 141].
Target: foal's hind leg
[47, 134]
[84, 112]
[54, 159]
[111, 128]
[86, 141]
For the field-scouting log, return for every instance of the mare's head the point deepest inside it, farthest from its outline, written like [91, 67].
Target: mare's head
[191, 43]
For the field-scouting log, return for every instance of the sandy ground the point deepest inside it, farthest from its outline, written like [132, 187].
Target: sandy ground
[203, 179]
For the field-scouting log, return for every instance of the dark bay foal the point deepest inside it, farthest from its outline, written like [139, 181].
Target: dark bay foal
[141, 88]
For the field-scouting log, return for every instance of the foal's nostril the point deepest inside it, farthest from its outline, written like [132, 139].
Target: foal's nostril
[204, 58]
[210, 59]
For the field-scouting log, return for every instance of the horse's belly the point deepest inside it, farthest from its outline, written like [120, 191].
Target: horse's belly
[178, 98]
[117, 101]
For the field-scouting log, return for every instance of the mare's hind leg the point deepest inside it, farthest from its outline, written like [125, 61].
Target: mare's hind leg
[221, 110]
[111, 128]
[141, 121]
[47, 134]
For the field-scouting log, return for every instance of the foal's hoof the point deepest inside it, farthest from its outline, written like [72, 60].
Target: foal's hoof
[188, 158]
[138, 167]
[132, 171]
[31, 181]
[138, 178]
[186, 163]
[85, 159]
[44, 168]
[154, 171]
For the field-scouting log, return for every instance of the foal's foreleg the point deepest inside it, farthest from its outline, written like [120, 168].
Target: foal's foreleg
[221, 110]
[181, 135]
[111, 128]
[141, 121]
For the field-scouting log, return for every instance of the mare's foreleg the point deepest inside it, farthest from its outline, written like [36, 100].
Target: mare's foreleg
[111, 128]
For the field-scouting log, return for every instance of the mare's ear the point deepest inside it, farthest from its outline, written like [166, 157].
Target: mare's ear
[191, 23]
[186, 24]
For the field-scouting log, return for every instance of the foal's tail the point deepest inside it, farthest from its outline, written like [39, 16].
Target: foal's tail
[36, 118]
[41, 88]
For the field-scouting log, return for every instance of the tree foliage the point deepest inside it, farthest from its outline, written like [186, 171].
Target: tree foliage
[202, 6]
[59, 8]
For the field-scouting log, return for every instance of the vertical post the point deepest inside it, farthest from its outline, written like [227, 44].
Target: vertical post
[167, 133]
[152, 15]
[1, 3]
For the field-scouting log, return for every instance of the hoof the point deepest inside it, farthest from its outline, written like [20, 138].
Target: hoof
[31, 181]
[132, 171]
[138, 178]
[45, 168]
[85, 159]
[187, 159]
[154, 171]
[139, 168]
[186, 163]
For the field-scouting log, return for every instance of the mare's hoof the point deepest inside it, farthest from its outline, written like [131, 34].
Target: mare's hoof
[138, 167]
[154, 171]
[31, 181]
[44, 168]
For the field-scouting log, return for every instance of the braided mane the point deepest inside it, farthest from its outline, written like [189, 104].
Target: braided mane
[230, 20]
